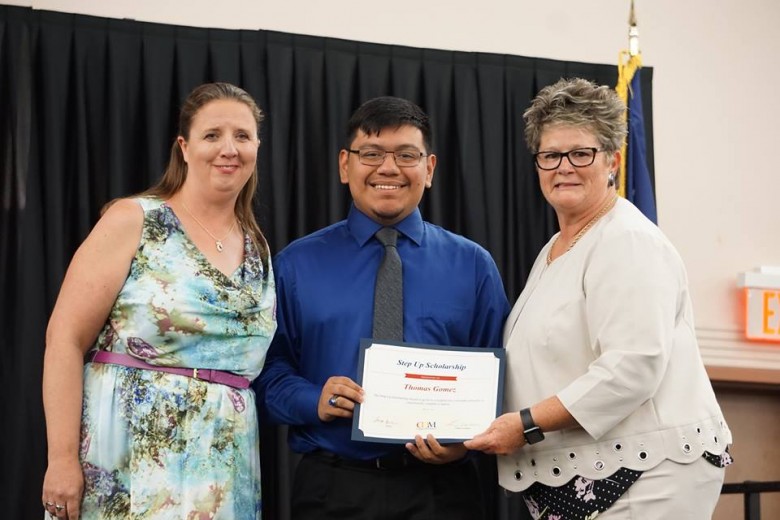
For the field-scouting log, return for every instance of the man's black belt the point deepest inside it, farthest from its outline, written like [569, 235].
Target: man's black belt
[390, 462]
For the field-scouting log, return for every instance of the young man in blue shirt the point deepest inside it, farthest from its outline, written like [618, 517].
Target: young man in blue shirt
[452, 295]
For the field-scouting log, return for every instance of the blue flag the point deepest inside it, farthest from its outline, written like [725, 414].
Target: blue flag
[639, 189]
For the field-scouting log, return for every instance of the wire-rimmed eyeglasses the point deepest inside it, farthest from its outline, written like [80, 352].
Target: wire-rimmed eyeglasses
[403, 158]
[579, 157]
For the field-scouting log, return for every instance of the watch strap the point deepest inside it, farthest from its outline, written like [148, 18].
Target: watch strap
[531, 431]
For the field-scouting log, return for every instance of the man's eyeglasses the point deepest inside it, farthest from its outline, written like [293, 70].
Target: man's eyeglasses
[578, 157]
[403, 158]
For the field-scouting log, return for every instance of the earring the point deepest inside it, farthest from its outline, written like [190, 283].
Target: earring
[611, 179]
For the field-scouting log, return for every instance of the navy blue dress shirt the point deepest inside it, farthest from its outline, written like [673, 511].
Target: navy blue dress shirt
[453, 295]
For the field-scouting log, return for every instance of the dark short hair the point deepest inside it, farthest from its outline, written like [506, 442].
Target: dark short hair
[380, 113]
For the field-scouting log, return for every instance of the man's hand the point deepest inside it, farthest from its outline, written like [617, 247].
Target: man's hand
[429, 450]
[338, 398]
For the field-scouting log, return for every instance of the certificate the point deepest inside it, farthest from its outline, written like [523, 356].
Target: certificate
[453, 393]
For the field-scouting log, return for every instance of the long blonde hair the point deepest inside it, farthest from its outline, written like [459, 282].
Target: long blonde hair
[176, 172]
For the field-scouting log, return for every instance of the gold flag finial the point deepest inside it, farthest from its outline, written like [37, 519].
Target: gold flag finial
[633, 33]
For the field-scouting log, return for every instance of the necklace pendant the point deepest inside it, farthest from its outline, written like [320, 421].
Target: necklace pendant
[220, 247]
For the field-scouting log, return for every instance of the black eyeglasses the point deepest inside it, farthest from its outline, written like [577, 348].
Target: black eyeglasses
[403, 158]
[578, 157]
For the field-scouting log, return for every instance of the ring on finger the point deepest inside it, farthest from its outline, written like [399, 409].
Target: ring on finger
[59, 507]
[48, 504]
[334, 399]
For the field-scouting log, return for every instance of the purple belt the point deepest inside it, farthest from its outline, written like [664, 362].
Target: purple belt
[203, 374]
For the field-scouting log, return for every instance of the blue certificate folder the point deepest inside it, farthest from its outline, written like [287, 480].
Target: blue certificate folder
[365, 344]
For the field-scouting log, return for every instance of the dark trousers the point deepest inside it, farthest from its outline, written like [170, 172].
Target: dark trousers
[326, 487]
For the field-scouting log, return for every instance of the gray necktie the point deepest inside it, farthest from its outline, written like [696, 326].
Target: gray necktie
[388, 293]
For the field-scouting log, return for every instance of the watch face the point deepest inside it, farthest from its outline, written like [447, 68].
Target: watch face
[534, 435]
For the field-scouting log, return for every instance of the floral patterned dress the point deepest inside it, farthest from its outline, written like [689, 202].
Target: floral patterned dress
[156, 445]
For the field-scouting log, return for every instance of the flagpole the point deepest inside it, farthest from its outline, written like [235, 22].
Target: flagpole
[635, 182]
[628, 63]
[633, 33]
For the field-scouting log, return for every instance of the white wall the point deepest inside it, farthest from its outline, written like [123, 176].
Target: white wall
[716, 112]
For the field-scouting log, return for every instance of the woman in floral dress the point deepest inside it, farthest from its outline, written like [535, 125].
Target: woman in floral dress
[171, 297]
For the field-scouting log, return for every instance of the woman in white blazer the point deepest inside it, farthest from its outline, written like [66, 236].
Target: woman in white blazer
[610, 412]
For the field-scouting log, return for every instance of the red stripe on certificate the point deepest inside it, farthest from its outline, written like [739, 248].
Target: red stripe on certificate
[432, 377]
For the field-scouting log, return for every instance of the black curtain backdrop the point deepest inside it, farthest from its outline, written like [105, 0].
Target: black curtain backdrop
[88, 112]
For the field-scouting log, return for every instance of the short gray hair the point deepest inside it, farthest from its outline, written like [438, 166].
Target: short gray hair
[580, 103]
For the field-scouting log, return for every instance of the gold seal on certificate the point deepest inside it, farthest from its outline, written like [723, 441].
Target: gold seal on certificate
[453, 393]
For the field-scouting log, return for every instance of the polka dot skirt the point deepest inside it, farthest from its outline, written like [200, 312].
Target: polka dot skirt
[583, 499]
[580, 498]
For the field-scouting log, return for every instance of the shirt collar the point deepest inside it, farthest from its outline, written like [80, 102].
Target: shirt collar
[362, 228]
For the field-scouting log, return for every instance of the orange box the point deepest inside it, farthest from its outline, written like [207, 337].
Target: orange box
[762, 303]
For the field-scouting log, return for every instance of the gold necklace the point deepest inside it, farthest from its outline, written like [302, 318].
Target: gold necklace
[603, 211]
[217, 241]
